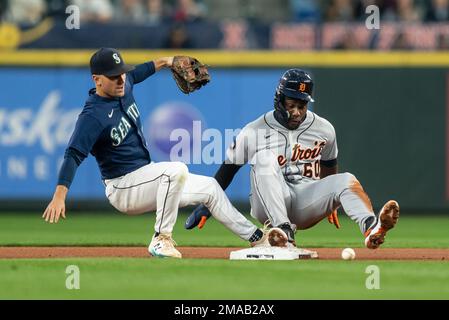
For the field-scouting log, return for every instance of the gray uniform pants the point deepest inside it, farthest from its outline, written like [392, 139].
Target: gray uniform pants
[305, 203]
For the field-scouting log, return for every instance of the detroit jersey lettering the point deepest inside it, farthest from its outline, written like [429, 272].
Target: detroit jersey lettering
[298, 151]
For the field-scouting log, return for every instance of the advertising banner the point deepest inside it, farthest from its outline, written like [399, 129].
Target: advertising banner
[39, 108]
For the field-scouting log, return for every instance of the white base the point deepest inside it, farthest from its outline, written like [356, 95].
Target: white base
[272, 253]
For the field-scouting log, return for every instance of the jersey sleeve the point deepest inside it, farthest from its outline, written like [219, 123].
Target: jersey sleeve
[330, 150]
[86, 133]
[141, 72]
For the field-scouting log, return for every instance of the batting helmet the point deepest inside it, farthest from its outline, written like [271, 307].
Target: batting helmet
[295, 84]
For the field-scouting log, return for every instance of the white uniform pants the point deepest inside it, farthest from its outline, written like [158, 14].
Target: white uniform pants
[166, 186]
[306, 203]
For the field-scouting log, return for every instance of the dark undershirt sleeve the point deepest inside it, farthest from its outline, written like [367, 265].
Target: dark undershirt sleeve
[329, 163]
[225, 174]
[72, 160]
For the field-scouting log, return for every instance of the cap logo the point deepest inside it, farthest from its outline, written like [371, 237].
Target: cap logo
[302, 87]
[116, 58]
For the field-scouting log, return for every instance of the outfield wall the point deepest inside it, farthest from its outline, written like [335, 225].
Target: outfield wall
[391, 123]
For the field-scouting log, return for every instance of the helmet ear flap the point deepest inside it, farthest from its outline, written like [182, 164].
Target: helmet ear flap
[276, 98]
[279, 98]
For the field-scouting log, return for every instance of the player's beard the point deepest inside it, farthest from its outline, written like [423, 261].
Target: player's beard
[295, 125]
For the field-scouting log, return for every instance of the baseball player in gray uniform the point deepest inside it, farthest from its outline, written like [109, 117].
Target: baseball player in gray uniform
[294, 181]
[109, 127]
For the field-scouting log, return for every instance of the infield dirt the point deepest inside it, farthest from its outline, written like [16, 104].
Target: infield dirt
[214, 253]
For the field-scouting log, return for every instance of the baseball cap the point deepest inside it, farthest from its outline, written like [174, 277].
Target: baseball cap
[108, 62]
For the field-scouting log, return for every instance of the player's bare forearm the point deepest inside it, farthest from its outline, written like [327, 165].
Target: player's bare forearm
[56, 207]
[60, 192]
[164, 62]
[327, 171]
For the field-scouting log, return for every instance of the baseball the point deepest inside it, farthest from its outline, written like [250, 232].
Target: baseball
[348, 254]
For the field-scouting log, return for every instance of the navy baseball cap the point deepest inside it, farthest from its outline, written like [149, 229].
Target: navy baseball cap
[108, 62]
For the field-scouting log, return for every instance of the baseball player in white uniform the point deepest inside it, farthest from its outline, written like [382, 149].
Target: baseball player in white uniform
[294, 181]
[110, 128]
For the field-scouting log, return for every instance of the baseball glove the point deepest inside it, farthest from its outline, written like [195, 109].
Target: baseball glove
[189, 73]
[198, 217]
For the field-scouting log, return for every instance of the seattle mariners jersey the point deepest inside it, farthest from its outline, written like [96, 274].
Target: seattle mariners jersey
[298, 151]
[111, 129]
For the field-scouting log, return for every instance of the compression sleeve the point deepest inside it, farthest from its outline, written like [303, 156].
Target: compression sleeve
[225, 174]
[141, 72]
[329, 163]
[72, 160]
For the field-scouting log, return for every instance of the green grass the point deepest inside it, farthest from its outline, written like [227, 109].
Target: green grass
[117, 229]
[217, 279]
[122, 278]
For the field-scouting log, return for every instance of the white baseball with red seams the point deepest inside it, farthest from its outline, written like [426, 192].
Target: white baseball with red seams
[348, 254]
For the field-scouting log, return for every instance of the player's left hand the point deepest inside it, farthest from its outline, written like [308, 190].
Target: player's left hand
[198, 217]
[189, 73]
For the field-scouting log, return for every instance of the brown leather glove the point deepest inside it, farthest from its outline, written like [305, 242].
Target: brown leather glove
[189, 73]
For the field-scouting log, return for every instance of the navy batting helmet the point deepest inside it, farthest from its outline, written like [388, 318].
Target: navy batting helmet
[295, 84]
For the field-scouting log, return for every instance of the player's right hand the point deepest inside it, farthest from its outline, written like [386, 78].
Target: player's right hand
[198, 217]
[55, 209]
[333, 219]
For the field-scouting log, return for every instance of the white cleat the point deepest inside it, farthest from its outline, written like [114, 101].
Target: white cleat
[387, 219]
[163, 246]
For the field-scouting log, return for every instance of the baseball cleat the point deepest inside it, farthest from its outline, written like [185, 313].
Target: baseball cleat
[387, 219]
[274, 237]
[163, 246]
[290, 230]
